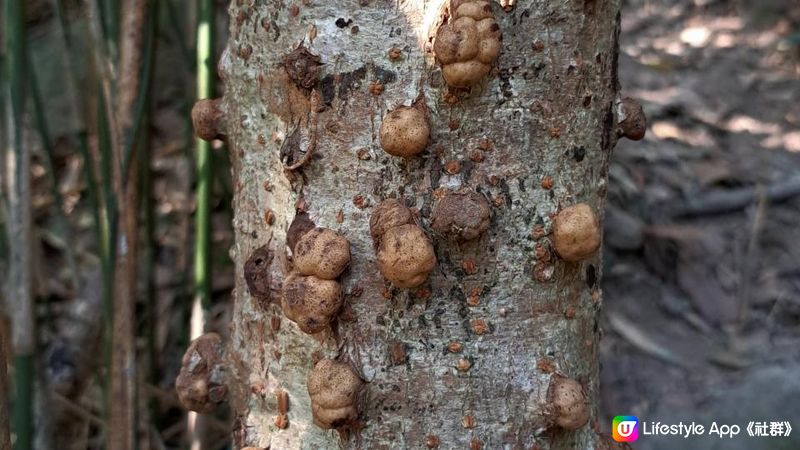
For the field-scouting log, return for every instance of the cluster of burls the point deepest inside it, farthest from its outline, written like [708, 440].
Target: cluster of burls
[200, 385]
[334, 388]
[405, 254]
[312, 295]
[468, 44]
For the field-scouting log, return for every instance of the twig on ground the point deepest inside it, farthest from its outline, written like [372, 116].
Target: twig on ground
[729, 200]
[637, 337]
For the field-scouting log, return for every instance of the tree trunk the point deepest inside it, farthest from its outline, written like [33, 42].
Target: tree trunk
[532, 138]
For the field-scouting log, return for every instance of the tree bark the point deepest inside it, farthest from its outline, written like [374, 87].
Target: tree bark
[546, 110]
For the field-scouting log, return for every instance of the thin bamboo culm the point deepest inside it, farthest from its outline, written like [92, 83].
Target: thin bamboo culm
[17, 178]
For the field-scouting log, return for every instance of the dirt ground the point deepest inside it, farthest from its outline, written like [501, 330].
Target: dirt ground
[702, 243]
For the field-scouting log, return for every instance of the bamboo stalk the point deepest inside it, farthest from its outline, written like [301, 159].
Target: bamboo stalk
[99, 164]
[205, 177]
[98, 156]
[110, 13]
[17, 177]
[100, 161]
[177, 29]
[5, 432]
[122, 417]
[205, 89]
[22, 414]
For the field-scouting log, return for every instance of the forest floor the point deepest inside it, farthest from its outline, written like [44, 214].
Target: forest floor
[702, 241]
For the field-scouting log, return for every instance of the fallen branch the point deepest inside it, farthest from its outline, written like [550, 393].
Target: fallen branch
[730, 200]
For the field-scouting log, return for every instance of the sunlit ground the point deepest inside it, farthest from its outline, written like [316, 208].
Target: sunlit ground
[702, 286]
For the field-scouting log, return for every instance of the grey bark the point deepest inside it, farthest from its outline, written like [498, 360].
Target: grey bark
[547, 110]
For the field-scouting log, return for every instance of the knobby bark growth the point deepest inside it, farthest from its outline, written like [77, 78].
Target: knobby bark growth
[498, 348]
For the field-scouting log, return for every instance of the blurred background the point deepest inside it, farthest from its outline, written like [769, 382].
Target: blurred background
[702, 241]
[702, 235]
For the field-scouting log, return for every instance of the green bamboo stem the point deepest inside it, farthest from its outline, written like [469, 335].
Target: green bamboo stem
[22, 414]
[19, 226]
[100, 167]
[109, 20]
[176, 28]
[141, 137]
[5, 430]
[205, 89]
[205, 177]
[107, 214]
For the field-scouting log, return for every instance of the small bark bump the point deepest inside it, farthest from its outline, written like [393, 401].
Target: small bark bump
[634, 123]
[470, 266]
[462, 215]
[397, 353]
[257, 273]
[207, 119]
[568, 402]
[376, 88]
[468, 421]
[479, 327]
[576, 232]
[302, 66]
[405, 130]
[281, 421]
[282, 399]
[432, 441]
[395, 53]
